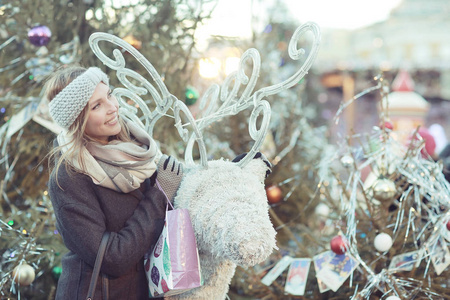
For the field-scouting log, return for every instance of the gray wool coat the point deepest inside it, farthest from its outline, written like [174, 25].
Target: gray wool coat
[84, 211]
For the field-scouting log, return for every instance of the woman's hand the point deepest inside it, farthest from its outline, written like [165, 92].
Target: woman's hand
[170, 174]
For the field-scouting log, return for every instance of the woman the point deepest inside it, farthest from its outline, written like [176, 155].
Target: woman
[102, 182]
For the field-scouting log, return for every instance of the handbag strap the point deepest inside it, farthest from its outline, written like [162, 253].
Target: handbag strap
[97, 265]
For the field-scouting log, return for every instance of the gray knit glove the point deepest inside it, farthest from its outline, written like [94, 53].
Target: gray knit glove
[170, 174]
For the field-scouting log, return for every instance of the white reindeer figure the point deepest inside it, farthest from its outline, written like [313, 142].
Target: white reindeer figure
[227, 201]
[229, 211]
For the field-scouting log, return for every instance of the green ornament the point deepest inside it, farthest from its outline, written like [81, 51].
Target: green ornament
[166, 260]
[374, 145]
[190, 95]
[56, 272]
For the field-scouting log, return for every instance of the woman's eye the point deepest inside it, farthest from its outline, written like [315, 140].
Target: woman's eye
[96, 106]
[109, 94]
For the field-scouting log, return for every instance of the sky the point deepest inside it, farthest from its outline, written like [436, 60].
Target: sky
[233, 17]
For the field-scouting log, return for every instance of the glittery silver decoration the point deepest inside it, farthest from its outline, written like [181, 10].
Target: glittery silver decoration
[420, 195]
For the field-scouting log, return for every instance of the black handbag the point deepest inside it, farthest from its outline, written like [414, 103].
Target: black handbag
[97, 265]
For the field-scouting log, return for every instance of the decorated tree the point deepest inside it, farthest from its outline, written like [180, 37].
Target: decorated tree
[36, 38]
[392, 215]
[364, 219]
[378, 229]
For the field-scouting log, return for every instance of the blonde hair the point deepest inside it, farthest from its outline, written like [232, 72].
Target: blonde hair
[76, 135]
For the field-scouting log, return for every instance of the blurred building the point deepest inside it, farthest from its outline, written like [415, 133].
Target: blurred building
[415, 38]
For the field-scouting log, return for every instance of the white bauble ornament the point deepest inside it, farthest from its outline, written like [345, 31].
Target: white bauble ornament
[383, 242]
[392, 298]
[23, 274]
[347, 161]
[322, 210]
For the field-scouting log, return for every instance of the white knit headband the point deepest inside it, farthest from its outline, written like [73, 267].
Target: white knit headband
[68, 104]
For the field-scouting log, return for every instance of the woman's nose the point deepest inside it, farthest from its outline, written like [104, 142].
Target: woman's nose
[113, 106]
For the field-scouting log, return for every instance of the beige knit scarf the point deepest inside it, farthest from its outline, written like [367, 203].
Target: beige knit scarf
[121, 166]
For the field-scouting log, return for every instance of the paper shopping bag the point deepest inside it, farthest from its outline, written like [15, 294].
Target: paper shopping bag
[172, 266]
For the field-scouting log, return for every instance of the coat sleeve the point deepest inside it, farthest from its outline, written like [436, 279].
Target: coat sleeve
[81, 223]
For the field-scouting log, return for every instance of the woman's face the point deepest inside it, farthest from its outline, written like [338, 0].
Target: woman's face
[103, 119]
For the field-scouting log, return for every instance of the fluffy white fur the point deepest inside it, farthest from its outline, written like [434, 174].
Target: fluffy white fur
[229, 211]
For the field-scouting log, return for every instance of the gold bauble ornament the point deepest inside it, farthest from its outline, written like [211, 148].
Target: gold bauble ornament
[384, 189]
[23, 274]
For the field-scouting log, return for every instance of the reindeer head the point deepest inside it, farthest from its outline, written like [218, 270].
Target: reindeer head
[229, 210]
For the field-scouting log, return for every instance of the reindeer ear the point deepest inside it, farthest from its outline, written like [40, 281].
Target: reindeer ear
[258, 155]
[239, 157]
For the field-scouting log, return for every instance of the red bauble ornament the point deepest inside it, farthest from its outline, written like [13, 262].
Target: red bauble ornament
[274, 194]
[448, 225]
[339, 244]
[388, 125]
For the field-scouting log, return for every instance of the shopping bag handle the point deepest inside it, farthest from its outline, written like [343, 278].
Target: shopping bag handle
[160, 188]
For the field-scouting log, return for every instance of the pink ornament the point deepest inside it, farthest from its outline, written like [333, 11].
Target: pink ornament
[448, 225]
[39, 35]
[339, 244]
[388, 125]
[430, 143]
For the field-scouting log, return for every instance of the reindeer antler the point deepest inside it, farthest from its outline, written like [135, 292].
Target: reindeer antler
[232, 104]
[227, 93]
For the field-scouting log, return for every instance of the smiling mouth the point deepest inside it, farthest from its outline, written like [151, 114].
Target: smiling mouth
[113, 121]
